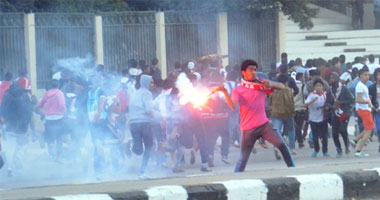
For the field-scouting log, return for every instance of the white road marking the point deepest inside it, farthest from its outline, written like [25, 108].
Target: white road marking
[246, 189]
[320, 186]
[169, 192]
[84, 197]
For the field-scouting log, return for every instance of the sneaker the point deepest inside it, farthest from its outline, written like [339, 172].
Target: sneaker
[326, 154]
[177, 170]
[264, 144]
[225, 160]
[293, 152]
[314, 154]
[353, 143]
[339, 155]
[192, 157]
[277, 154]
[301, 145]
[205, 168]
[361, 154]
[143, 177]
[211, 162]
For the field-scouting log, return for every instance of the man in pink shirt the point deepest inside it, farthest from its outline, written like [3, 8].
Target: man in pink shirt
[54, 108]
[250, 96]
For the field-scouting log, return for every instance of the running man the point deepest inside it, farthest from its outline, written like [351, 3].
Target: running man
[250, 96]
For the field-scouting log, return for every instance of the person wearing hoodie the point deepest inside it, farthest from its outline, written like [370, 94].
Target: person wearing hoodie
[339, 100]
[374, 92]
[140, 120]
[53, 106]
[16, 111]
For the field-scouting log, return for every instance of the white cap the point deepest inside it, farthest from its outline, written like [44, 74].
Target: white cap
[191, 65]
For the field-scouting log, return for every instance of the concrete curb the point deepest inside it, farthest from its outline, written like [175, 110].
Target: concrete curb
[359, 184]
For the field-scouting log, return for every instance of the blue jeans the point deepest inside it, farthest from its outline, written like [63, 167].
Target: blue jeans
[377, 121]
[289, 126]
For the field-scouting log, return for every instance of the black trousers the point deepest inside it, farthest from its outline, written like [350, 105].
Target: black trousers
[319, 130]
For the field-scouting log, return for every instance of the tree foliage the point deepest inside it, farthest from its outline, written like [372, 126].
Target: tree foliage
[297, 10]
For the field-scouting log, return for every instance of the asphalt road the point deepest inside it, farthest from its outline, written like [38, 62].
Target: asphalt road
[42, 177]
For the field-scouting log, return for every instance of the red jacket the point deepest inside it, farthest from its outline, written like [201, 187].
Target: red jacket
[3, 88]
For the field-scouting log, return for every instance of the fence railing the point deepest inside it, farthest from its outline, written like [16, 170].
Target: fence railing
[12, 44]
[127, 35]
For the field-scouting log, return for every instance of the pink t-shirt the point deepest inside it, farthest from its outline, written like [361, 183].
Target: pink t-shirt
[252, 107]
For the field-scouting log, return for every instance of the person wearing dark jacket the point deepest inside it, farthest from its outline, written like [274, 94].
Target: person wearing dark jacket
[291, 83]
[339, 100]
[16, 111]
[374, 93]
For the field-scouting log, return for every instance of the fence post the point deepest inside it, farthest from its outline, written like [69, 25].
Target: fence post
[281, 34]
[99, 52]
[222, 36]
[161, 43]
[30, 49]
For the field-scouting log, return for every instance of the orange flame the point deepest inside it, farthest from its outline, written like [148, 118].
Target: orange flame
[195, 96]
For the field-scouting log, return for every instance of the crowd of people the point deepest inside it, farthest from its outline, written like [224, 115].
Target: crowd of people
[137, 113]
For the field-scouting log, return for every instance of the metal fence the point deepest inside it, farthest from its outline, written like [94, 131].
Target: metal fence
[12, 45]
[252, 36]
[189, 35]
[60, 36]
[128, 35]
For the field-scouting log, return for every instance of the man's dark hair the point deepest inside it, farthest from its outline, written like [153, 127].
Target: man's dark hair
[363, 70]
[100, 68]
[154, 61]
[335, 60]
[357, 60]
[283, 78]
[248, 63]
[314, 72]
[298, 61]
[54, 84]
[177, 65]
[299, 75]
[22, 72]
[232, 76]
[8, 76]
[371, 58]
[318, 80]
[309, 63]
[291, 64]
[375, 73]
[284, 55]
[132, 63]
[342, 58]
[167, 83]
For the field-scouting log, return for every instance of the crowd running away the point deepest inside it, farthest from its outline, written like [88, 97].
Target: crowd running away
[135, 115]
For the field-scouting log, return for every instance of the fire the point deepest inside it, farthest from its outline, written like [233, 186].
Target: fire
[195, 96]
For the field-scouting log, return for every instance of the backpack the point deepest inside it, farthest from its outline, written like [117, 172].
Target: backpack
[282, 103]
[93, 104]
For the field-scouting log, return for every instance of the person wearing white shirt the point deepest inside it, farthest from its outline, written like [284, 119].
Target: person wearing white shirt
[372, 66]
[359, 65]
[363, 108]
[316, 103]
